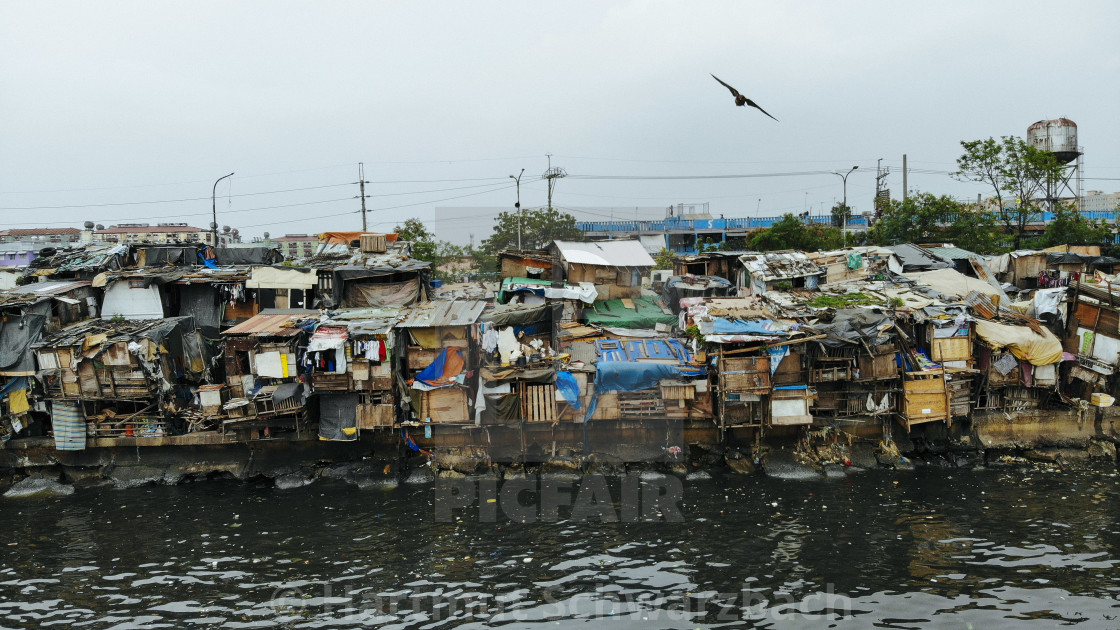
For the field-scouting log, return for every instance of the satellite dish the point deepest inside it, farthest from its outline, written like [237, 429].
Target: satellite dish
[100, 227]
[88, 225]
[225, 229]
[266, 236]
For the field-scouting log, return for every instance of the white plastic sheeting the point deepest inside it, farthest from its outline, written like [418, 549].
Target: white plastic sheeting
[132, 302]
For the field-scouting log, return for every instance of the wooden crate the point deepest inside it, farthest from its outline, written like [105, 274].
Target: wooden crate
[925, 398]
[745, 375]
[372, 243]
[446, 405]
[538, 403]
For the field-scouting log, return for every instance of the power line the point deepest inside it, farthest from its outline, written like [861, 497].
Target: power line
[673, 177]
[197, 214]
[159, 201]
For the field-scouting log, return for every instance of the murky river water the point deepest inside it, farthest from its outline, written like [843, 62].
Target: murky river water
[982, 549]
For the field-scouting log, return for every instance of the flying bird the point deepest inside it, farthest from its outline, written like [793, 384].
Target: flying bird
[741, 100]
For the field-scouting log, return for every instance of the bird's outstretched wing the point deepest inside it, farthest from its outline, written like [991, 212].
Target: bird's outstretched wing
[733, 90]
[755, 105]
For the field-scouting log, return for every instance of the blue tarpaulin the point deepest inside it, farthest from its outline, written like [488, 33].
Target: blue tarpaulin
[722, 326]
[569, 387]
[18, 383]
[620, 376]
[434, 371]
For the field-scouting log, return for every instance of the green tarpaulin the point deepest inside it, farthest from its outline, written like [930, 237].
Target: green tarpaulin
[645, 314]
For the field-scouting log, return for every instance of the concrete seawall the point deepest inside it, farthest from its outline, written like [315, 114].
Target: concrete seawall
[1063, 436]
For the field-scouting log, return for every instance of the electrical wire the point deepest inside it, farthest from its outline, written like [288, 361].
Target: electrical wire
[160, 201]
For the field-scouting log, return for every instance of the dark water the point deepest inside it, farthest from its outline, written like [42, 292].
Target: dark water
[958, 549]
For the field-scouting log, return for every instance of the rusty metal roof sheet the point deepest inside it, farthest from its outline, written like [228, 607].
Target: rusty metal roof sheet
[781, 265]
[273, 322]
[442, 313]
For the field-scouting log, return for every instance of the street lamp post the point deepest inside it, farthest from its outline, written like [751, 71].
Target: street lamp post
[518, 206]
[845, 178]
[214, 209]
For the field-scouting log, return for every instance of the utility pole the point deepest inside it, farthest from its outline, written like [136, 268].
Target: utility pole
[362, 185]
[882, 193]
[552, 174]
[905, 190]
[518, 206]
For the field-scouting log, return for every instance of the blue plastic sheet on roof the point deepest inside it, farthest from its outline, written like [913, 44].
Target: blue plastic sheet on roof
[634, 349]
[723, 326]
[622, 376]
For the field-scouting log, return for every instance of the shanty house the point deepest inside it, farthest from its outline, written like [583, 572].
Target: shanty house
[128, 378]
[358, 392]
[441, 349]
[265, 362]
[616, 268]
[779, 270]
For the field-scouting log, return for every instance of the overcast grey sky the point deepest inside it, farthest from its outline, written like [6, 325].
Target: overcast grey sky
[129, 111]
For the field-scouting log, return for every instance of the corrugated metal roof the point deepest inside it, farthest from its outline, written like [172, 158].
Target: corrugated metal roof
[272, 323]
[620, 253]
[781, 265]
[52, 287]
[950, 253]
[442, 313]
[367, 320]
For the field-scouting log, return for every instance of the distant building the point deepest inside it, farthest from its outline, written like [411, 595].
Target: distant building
[18, 254]
[1097, 201]
[687, 228]
[296, 245]
[160, 233]
[62, 236]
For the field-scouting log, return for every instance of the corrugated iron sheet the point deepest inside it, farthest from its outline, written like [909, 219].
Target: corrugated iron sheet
[442, 313]
[272, 323]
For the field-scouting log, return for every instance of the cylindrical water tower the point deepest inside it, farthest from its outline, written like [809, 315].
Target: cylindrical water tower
[1058, 136]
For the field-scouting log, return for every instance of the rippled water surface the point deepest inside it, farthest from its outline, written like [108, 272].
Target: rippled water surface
[981, 549]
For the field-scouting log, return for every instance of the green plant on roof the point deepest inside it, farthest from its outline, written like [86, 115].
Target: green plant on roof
[783, 285]
[897, 302]
[846, 300]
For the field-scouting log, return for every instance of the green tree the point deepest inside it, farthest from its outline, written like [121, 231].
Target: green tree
[539, 227]
[1070, 227]
[664, 259]
[975, 229]
[1012, 166]
[789, 232]
[840, 214]
[424, 245]
[915, 219]
[928, 218]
